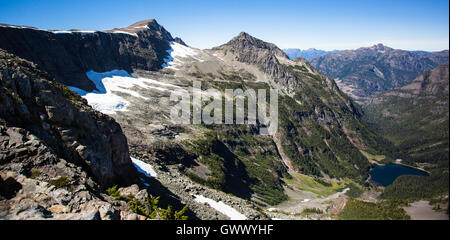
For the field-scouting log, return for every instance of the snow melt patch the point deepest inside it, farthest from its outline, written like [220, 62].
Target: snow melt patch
[144, 168]
[75, 31]
[123, 32]
[177, 53]
[105, 100]
[232, 213]
[181, 51]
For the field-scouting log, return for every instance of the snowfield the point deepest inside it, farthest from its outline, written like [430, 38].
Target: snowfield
[104, 98]
[76, 31]
[177, 53]
[123, 32]
[144, 168]
[232, 213]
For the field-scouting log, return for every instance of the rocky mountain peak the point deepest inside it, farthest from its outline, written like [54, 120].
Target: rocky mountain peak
[244, 35]
[245, 40]
[147, 22]
[380, 47]
[266, 56]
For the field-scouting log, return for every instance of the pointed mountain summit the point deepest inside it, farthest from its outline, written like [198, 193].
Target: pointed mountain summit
[150, 26]
[245, 40]
[266, 56]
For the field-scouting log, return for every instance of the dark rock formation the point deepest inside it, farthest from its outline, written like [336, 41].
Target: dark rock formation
[67, 56]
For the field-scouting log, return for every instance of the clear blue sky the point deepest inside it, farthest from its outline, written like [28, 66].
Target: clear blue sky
[332, 24]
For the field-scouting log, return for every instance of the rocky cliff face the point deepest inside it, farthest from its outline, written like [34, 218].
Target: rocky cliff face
[63, 120]
[68, 55]
[53, 144]
[364, 72]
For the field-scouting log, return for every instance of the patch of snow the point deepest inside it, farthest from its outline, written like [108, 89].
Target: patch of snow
[20, 27]
[182, 51]
[104, 98]
[271, 209]
[232, 213]
[306, 200]
[123, 32]
[76, 31]
[61, 31]
[177, 53]
[105, 103]
[144, 168]
[145, 27]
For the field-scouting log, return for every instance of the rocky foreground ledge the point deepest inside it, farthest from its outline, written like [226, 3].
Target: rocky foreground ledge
[57, 155]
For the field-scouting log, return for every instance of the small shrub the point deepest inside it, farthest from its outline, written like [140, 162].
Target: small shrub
[35, 173]
[148, 209]
[113, 192]
[62, 181]
[151, 210]
[168, 214]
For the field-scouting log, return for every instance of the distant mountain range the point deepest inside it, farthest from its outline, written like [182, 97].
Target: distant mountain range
[307, 54]
[366, 71]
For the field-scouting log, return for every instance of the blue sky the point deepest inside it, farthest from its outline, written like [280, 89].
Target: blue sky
[323, 24]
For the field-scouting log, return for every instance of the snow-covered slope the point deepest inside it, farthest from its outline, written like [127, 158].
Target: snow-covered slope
[106, 98]
[232, 213]
[144, 168]
[179, 54]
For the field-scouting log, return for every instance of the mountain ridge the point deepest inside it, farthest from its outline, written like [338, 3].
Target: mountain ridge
[68, 55]
[370, 70]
